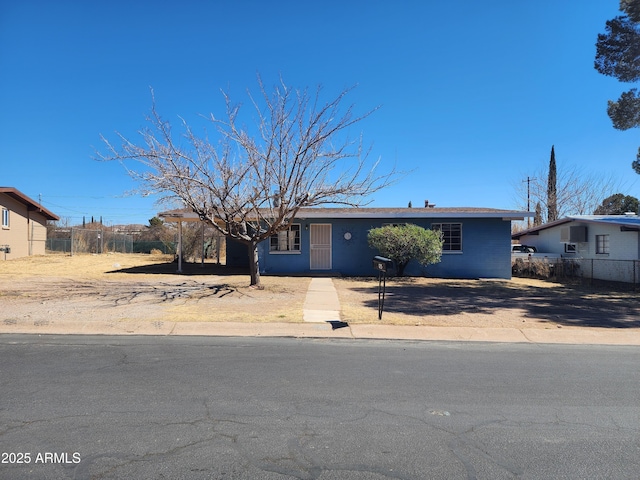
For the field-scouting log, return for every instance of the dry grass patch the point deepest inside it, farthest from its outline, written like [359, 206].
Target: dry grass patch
[76, 266]
[123, 287]
[516, 303]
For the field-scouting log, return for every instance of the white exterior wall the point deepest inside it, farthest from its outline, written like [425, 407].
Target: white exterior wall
[547, 241]
[621, 264]
[622, 245]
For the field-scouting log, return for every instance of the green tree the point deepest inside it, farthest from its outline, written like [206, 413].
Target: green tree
[404, 243]
[552, 189]
[537, 220]
[155, 222]
[618, 56]
[617, 204]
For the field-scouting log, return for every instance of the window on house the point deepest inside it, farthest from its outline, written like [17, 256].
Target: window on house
[602, 244]
[393, 224]
[5, 218]
[286, 240]
[452, 235]
[570, 248]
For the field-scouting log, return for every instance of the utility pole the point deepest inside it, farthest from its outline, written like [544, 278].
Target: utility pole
[528, 180]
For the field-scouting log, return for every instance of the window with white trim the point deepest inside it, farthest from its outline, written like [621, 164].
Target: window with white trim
[602, 244]
[394, 224]
[452, 235]
[286, 240]
[5, 218]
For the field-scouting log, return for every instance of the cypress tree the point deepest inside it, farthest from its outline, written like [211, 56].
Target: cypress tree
[552, 192]
[537, 220]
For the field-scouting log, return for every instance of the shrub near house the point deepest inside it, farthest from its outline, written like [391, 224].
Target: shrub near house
[404, 243]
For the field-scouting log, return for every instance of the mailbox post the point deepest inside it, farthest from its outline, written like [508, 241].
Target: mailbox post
[381, 264]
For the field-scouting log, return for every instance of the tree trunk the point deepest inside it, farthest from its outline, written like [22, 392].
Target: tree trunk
[400, 268]
[254, 269]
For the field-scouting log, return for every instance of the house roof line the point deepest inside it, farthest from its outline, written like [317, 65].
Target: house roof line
[32, 205]
[622, 220]
[186, 215]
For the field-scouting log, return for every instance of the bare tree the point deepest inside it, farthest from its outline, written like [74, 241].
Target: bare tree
[577, 192]
[251, 182]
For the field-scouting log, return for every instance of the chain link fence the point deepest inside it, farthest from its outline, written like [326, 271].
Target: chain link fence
[587, 270]
[76, 240]
[154, 246]
[81, 240]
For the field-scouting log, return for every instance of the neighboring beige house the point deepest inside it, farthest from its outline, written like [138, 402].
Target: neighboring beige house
[23, 225]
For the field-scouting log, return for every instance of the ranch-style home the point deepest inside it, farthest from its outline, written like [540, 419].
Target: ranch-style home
[24, 225]
[334, 241]
[606, 247]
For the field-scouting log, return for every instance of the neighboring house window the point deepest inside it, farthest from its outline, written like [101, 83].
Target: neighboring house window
[5, 218]
[452, 235]
[602, 243]
[570, 248]
[286, 240]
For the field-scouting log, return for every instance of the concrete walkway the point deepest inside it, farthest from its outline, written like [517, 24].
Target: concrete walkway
[322, 303]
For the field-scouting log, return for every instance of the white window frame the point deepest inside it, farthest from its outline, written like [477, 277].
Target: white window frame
[602, 244]
[394, 224]
[286, 242]
[438, 227]
[6, 223]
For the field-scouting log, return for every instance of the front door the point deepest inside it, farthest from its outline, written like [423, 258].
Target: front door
[320, 246]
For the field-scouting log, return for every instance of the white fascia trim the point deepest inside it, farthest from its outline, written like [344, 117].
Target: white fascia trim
[502, 215]
[506, 216]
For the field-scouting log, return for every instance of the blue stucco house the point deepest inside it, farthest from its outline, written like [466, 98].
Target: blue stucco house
[334, 241]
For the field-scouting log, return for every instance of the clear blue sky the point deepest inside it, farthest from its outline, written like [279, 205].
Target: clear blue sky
[472, 94]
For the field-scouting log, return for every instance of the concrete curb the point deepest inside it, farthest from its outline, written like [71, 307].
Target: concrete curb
[333, 329]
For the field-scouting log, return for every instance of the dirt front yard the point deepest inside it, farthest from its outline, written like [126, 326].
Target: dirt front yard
[518, 303]
[124, 287]
[121, 287]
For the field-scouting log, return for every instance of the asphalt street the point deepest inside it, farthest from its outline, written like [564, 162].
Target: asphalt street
[282, 408]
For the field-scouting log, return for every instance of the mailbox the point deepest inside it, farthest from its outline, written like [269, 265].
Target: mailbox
[382, 264]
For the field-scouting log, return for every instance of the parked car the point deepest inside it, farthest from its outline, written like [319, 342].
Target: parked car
[525, 259]
[517, 248]
[529, 251]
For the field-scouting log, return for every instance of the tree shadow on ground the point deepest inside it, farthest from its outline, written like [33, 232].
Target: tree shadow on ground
[188, 269]
[565, 305]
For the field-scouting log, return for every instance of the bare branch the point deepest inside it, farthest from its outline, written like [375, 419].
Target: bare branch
[251, 182]
[578, 192]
